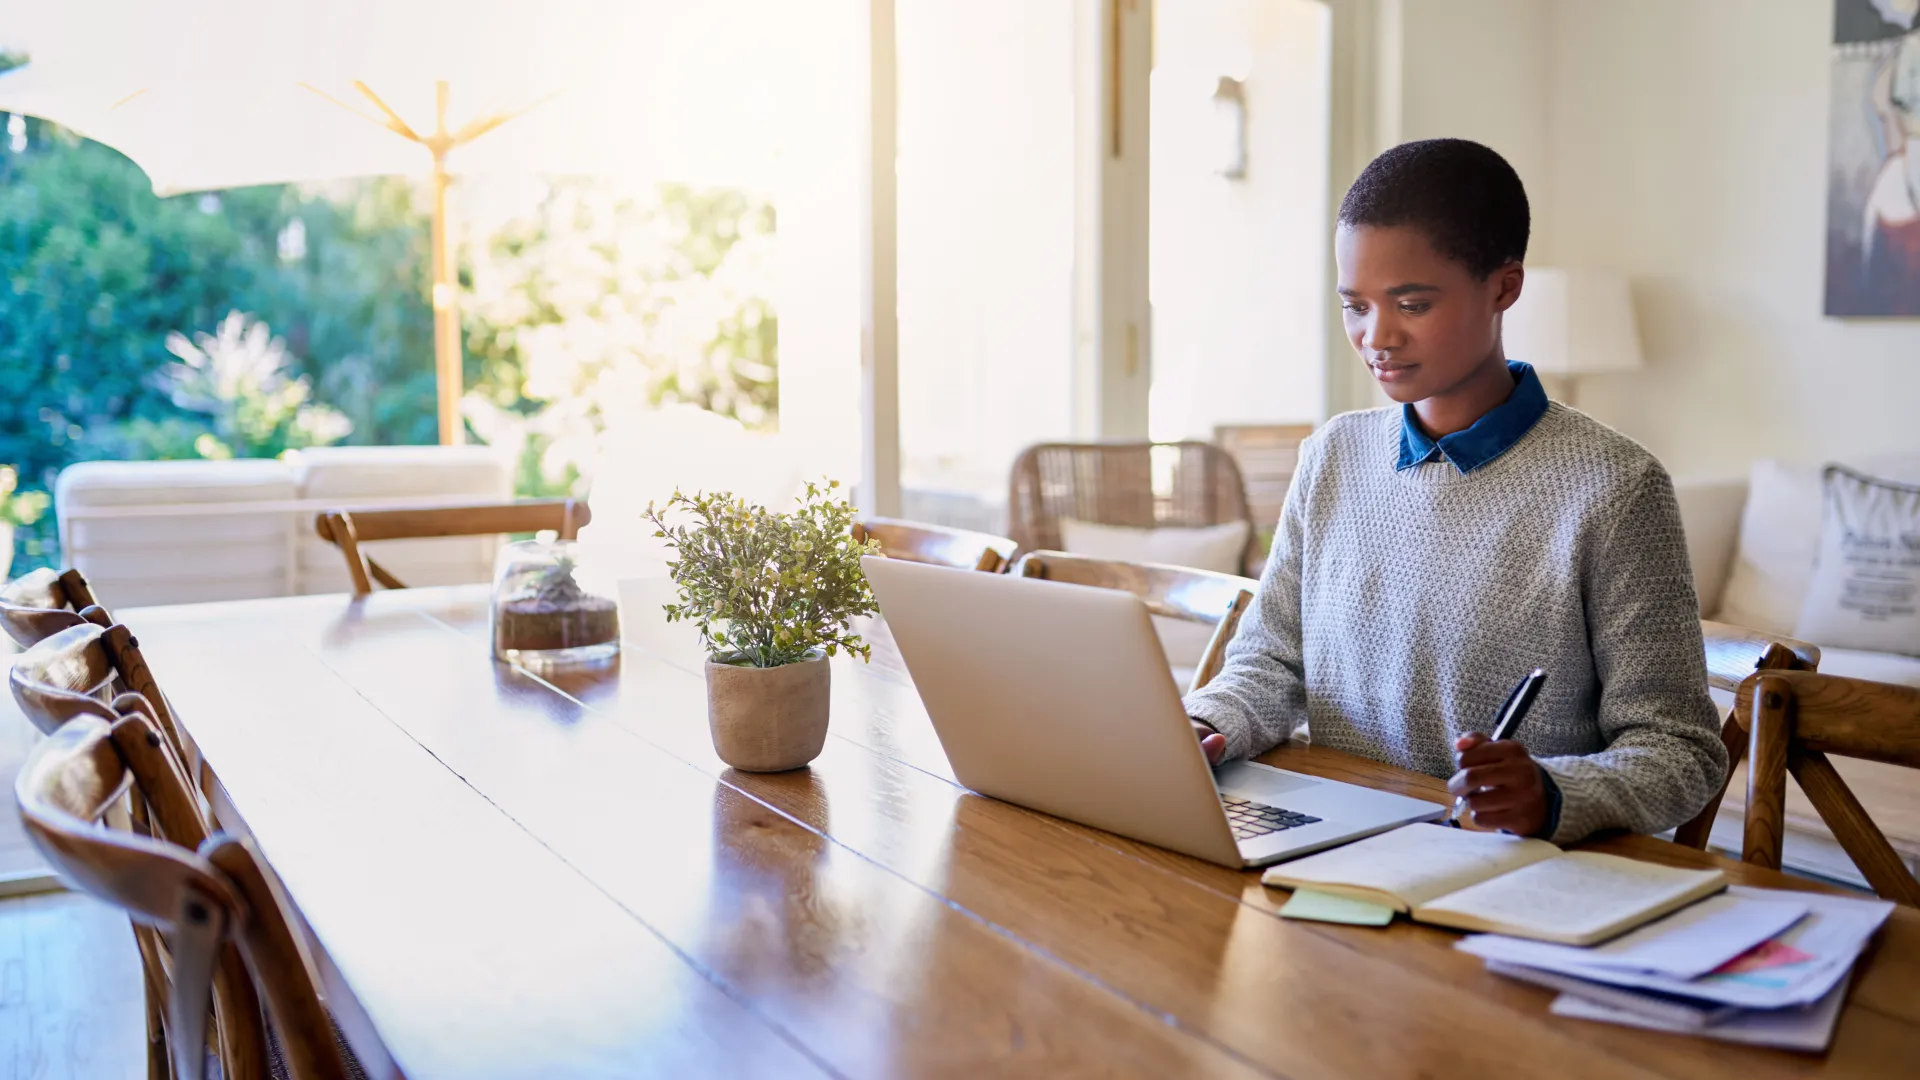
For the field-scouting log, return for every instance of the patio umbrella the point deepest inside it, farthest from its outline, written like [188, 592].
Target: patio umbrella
[229, 93]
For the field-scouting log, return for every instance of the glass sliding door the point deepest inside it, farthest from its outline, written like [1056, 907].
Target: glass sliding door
[986, 247]
[1238, 234]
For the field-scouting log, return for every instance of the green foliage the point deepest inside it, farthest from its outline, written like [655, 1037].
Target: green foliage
[768, 589]
[96, 273]
[625, 303]
[19, 507]
[101, 282]
[237, 377]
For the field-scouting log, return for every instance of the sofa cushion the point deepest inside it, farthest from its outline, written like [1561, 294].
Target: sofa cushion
[378, 472]
[160, 484]
[1710, 511]
[350, 474]
[1877, 666]
[171, 558]
[1865, 592]
[1780, 540]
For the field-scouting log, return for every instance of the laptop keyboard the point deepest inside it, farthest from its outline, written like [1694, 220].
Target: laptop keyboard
[1250, 819]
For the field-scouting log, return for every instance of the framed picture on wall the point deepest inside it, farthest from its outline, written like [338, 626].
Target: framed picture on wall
[1873, 161]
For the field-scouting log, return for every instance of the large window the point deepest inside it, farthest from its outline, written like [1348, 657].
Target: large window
[986, 175]
[1237, 265]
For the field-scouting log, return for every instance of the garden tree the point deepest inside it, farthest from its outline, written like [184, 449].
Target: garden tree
[600, 304]
[97, 275]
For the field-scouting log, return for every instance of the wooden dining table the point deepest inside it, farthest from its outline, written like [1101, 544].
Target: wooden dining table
[515, 875]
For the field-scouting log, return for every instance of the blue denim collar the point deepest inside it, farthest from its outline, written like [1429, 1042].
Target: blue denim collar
[1489, 437]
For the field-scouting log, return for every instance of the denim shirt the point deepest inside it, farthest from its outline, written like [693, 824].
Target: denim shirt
[1489, 437]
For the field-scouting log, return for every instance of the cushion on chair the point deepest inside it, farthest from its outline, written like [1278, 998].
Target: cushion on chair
[350, 474]
[183, 558]
[1209, 547]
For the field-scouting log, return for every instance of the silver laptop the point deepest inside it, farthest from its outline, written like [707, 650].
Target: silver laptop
[1059, 698]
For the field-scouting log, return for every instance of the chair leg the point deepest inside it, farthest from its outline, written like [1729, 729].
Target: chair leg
[1695, 833]
[153, 979]
[158, 1066]
[1770, 738]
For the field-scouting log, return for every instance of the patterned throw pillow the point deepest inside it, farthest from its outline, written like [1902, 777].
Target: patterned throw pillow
[1865, 592]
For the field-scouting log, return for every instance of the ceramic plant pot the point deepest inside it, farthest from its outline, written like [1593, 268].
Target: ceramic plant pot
[768, 719]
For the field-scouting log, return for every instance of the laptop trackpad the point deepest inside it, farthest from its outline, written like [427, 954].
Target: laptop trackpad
[1261, 783]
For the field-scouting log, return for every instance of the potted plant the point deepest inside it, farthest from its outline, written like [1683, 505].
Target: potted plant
[16, 508]
[774, 595]
[542, 616]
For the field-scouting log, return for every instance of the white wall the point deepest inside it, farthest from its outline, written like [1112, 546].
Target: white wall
[1476, 69]
[1685, 145]
[1238, 265]
[1689, 150]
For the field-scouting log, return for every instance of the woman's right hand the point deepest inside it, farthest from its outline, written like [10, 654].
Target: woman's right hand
[1211, 741]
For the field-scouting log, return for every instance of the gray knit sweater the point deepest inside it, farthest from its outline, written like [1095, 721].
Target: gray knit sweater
[1399, 607]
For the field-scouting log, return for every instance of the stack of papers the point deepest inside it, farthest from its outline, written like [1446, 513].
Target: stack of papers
[1762, 966]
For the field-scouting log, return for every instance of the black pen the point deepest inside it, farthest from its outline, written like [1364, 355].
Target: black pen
[1519, 700]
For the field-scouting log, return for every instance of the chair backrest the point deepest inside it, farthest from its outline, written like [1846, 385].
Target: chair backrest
[63, 676]
[42, 602]
[1798, 718]
[1734, 653]
[1171, 592]
[228, 938]
[1114, 484]
[1268, 455]
[71, 673]
[913, 541]
[348, 530]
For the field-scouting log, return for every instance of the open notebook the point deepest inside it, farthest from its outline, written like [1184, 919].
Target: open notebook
[1499, 883]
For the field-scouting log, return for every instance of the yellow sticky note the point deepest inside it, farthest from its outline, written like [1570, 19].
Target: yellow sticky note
[1325, 907]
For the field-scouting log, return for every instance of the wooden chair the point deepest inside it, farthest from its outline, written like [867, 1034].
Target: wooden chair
[1172, 592]
[1113, 484]
[1800, 717]
[229, 941]
[71, 672]
[41, 602]
[913, 541]
[348, 530]
[1267, 455]
[1734, 653]
[68, 676]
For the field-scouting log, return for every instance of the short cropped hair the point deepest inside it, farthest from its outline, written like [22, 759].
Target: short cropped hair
[1464, 196]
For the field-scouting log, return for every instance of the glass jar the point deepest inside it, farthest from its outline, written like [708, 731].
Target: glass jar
[543, 616]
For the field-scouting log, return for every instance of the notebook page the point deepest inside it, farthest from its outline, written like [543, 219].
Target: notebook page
[1412, 864]
[1579, 898]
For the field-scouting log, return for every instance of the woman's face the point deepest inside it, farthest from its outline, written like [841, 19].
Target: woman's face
[1420, 320]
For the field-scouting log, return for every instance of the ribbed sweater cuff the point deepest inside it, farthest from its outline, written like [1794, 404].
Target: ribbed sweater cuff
[1222, 717]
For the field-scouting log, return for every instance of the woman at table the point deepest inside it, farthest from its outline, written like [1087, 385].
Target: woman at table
[1434, 551]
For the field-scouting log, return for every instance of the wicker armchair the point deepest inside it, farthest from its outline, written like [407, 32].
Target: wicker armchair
[1113, 484]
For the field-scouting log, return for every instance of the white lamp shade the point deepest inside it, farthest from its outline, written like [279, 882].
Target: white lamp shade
[1572, 322]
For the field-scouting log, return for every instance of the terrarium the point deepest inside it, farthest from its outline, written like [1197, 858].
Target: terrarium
[542, 615]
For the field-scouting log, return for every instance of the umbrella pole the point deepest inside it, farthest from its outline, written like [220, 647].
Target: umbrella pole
[446, 312]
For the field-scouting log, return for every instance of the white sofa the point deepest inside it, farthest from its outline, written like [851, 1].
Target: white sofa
[170, 532]
[1753, 542]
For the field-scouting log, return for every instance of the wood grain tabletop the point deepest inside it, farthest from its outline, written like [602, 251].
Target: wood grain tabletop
[517, 876]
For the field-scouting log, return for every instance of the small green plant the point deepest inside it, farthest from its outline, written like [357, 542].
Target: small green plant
[556, 585]
[764, 588]
[23, 507]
